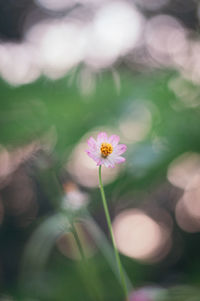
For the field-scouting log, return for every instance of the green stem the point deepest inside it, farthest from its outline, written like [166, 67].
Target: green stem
[112, 236]
[78, 241]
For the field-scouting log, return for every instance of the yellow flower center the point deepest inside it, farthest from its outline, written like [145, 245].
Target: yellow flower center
[106, 149]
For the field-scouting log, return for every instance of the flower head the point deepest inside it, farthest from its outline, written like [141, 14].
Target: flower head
[106, 150]
[148, 294]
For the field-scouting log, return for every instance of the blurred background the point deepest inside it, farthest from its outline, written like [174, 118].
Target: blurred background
[72, 68]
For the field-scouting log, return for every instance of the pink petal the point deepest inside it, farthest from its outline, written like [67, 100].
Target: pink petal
[119, 160]
[92, 143]
[99, 162]
[120, 149]
[106, 163]
[111, 162]
[102, 137]
[92, 155]
[114, 140]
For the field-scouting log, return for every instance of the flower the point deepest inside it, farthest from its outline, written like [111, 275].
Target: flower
[106, 150]
[148, 294]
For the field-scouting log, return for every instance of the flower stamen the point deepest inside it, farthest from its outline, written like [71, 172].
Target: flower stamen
[106, 149]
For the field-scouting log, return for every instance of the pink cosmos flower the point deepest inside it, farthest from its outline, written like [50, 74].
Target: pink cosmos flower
[106, 150]
[148, 294]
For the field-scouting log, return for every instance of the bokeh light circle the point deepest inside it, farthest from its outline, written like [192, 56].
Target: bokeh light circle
[141, 237]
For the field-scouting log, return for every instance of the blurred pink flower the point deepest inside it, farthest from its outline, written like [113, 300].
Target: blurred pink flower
[147, 294]
[106, 150]
[140, 295]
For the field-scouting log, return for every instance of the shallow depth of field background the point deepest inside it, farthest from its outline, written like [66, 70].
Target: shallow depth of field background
[69, 69]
